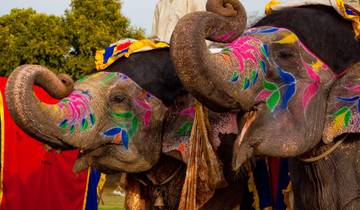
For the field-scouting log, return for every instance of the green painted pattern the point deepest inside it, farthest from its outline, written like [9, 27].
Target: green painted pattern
[130, 118]
[184, 129]
[344, 111]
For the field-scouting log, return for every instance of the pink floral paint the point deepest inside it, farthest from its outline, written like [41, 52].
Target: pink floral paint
[263, 95]
[309, 93]
[246, 49]
[142, 103]
[77, 105]
[189, 112]
[354, 88]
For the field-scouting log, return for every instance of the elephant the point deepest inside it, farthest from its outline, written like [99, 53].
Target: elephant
[293, 77]
[133, 117]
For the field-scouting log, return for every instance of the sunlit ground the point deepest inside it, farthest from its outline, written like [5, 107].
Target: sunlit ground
[111, 202]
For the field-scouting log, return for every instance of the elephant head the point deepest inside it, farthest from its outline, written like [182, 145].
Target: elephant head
[105, 109]
[286, 91]
[122, 118]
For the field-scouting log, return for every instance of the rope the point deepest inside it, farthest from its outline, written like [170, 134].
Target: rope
[168, 179]
[324, 154]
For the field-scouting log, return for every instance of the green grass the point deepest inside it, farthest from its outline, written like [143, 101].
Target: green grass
[111, 202]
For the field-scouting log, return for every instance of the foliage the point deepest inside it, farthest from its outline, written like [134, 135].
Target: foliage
[29, 37]
[64, 44]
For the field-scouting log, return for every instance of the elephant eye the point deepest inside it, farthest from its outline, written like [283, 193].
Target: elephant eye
[285, 54]
[117, 98]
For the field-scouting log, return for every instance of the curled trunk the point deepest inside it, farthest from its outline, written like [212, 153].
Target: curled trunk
[33, 116]
[201, 72]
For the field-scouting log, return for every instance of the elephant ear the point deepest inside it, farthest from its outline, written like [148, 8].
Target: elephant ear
[178, 126]
[343, 108]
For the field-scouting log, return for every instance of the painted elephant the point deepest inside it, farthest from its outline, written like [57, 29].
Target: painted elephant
[129, 118]
[293, 76]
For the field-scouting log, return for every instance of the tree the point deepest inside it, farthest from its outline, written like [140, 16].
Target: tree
[94, 24]
[33, 38]
[65, 44]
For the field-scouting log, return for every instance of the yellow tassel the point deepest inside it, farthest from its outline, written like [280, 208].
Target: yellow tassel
[100, 187]
[253, 190]
[268, 7]
[287, 198]
[354, 18]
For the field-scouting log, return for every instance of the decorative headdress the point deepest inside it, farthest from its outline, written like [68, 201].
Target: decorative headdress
[124, 48]
[349, 9]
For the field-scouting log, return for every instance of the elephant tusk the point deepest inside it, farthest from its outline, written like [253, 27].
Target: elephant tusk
[249, 120]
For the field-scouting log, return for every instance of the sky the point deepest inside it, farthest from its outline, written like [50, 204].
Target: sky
[140, 12]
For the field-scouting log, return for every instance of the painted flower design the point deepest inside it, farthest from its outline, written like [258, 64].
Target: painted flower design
[77, 104]
[127, 123]
[343, 115]
[185, 128]
[273, 94]
[250, 53]
[124, 130]
[252, 56]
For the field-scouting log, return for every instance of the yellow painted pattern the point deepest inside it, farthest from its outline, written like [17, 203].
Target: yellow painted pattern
[289, 39]
[317, 66]
[337, 125]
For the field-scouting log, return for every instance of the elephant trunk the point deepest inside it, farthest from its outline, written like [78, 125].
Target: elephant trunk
[36, 118]
[200, 71]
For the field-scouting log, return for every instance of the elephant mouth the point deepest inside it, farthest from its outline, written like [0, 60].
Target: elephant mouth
[245, 146]
[249, 118]
[116, 152]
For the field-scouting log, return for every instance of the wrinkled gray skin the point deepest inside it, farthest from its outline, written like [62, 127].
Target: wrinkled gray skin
[143, 157]
[43, 120]
[328, 184]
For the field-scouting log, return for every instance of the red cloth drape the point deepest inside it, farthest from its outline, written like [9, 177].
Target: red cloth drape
[34, 179]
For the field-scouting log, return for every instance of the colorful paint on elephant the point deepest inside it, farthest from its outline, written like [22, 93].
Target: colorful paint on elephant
[102, 78]
[344, 107]
[81, 116]
[78, 103]
[251, 53]
[349, 106]
[126, 123]
[126, 127]
[185, 129]
[254, 61]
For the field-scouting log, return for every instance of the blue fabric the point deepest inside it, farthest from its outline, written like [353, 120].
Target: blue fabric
[91, 199]
[284, 180]
[262, 181]
[263, 184]
[108, 53]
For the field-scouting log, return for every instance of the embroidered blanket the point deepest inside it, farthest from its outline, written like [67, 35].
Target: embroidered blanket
[124, 48]
[349, 9]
